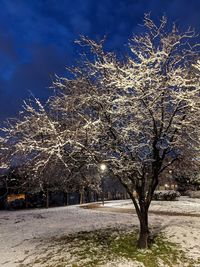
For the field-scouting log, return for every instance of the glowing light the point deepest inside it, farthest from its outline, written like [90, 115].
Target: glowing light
[103, 167]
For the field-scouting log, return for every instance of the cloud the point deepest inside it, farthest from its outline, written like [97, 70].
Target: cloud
[36, 37]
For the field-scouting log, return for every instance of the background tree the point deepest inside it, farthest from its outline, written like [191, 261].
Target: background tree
[4, 155]
[45, 148]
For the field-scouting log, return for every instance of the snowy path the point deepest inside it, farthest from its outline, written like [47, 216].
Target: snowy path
[21, 232]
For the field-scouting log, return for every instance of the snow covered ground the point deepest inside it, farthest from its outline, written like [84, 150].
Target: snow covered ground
[22, 232]
[184, 230]
[183, 205]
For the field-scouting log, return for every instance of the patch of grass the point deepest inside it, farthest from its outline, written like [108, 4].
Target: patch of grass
[90, 249]
[160, 251]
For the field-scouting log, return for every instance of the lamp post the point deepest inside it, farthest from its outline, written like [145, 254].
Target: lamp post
[103, 168]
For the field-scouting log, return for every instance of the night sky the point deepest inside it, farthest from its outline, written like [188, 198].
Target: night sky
[37, 37]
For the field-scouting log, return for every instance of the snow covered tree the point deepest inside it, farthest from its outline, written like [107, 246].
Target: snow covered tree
[139, 114]
[32, 145]
[47, 150]
[3, 154]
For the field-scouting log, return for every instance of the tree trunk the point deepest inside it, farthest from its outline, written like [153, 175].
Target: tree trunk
[66, 199]
[144, 230]
[47, 198]
[81, 196]
[26, 201]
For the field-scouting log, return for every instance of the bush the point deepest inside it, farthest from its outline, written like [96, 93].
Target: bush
[193, 194]
[167, 195]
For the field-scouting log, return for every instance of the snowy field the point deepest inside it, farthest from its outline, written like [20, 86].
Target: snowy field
[23, 232]
[183, 205]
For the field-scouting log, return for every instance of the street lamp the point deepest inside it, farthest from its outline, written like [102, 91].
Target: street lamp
[103, 168]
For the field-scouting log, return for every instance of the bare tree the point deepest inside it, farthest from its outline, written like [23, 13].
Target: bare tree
[139, 114]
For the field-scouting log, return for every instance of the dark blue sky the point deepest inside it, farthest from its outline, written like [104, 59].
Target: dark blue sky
[36, 37]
